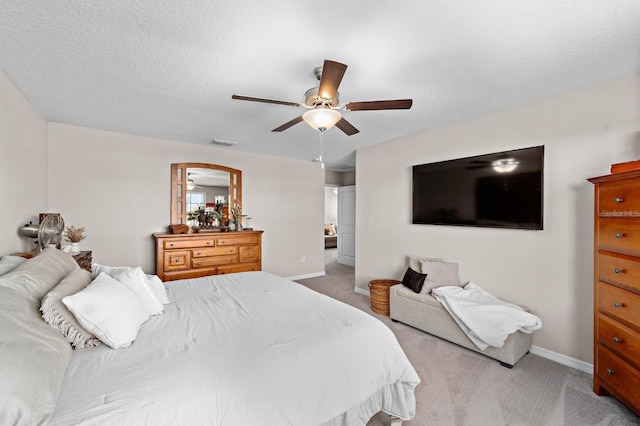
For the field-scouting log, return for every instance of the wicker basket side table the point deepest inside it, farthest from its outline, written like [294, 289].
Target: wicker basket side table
[379, 295]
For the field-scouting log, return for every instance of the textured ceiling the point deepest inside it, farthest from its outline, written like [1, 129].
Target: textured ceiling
[167, 69]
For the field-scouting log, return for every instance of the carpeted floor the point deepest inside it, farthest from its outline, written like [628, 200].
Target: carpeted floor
[461, 387]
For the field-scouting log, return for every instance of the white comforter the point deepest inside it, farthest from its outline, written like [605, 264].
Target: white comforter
[243, 349]
[485, 319]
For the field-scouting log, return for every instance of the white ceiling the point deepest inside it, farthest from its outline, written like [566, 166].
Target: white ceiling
[167, 69]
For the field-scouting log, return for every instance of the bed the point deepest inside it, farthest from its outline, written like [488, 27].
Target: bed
[238, 349]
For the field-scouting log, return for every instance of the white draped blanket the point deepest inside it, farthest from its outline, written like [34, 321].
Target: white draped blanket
[243, 349]
[485, 319]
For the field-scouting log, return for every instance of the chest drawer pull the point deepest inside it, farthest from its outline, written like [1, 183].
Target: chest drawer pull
[199, 253]
[618, 200]
[170, 244]
[199, 263]
[208, 243]
[617, 305]
[617, 340]
[610, 371]
[618, 271]
[618, 235]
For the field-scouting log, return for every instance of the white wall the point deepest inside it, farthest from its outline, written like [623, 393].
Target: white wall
[550, 271]
[23, 167]
[331, 204]
[118, 187]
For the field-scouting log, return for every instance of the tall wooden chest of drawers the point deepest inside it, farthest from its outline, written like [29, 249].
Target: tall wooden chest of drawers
[617, 287]
[180, 256]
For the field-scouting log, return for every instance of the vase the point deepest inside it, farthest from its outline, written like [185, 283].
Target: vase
[75, 248]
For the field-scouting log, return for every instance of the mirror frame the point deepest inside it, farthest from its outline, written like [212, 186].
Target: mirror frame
[179, 187]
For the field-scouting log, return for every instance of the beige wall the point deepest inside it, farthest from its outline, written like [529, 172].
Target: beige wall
[118, 187]
[23, 167]
[584, 132]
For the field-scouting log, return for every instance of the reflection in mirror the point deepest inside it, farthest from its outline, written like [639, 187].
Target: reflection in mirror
[198, 185]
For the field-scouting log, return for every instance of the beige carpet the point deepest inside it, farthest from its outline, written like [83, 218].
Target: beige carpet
[461, 387]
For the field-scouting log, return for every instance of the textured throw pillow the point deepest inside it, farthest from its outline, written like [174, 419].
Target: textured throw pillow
[56, 314]
[415, 262]
[414, 280]
[9, 262]
[439, 274]
[154, 283]
[35, 277]
[109, 310]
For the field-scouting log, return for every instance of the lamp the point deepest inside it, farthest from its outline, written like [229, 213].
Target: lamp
[322, 118]
[505, 165]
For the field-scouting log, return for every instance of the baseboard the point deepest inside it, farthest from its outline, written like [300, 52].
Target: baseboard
[545, 353]
[362, 291]
[305, 276]
[563, 359]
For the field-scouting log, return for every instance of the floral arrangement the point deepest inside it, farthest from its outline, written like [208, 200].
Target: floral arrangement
[75, 235]
[236, 211]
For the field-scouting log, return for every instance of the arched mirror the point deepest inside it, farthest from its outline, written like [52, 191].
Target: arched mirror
[196, 184]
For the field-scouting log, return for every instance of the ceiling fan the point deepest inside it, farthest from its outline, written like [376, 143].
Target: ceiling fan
[324, 105]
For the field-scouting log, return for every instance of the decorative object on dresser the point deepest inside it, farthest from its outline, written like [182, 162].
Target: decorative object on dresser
[617, 284]
[180, 256]
[178, 229]
[74, 236]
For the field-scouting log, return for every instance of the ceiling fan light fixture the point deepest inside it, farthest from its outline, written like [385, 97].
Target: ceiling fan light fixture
[505, 165]
[322, 118]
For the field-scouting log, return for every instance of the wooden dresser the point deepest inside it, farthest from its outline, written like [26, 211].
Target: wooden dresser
[180, 256]
[617, 287]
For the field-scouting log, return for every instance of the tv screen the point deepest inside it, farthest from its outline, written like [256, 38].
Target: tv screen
[499, 190]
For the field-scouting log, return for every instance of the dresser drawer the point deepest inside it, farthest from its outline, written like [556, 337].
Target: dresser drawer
[176, 260]
[203, 262]
[171, 244]
[249, 253]
[619, 235]
[237, 240]
[242, 267]
[619, 377]
[619, 303]
[619, 269]
[213, 251]
[619, 199]
[620, 339]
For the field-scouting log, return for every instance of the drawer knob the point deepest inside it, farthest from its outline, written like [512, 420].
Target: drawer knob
[617, 305]
[208, 243]
[618, 199]
[610, 371]
[618, 235]
[618, 271]
[199, 253]
[617, 340]
[198, 263]
[171, 245]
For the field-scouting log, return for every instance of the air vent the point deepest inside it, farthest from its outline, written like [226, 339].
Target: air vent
[222, 142]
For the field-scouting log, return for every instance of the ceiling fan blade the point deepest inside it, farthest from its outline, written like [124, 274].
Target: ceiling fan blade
[288, 124]
[266, 101]
[377, 105]
[346, 127]
[332, 73]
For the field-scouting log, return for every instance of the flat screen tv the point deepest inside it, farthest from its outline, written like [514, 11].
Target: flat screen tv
[499, 190]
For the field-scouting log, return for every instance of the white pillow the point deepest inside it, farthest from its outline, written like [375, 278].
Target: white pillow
[439, 274]
[108, 310]
[153, 282]
[9, 262]
[137, 282]
[415, 262]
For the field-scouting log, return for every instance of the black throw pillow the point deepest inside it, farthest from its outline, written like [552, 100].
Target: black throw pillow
[414, 280]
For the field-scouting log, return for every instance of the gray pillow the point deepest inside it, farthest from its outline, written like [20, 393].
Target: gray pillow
[33, 360]
[9, 263]
[56, 314]
[439, 274]
[35, 277]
